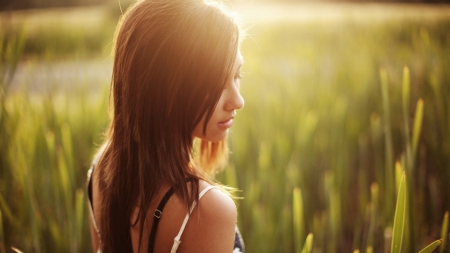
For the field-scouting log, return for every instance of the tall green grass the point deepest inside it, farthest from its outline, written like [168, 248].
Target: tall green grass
[326, 120]
[314, 150]
[47, 141]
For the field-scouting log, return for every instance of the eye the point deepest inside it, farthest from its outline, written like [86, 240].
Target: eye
[237, 76]
[236, 79]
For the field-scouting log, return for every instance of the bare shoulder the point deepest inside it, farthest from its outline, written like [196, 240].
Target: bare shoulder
[216, 203]
[211, 226]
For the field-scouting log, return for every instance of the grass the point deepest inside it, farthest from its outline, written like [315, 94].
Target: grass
[324, 120]
[330, 108]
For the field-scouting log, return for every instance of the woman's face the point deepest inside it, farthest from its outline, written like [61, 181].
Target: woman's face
[230, 101]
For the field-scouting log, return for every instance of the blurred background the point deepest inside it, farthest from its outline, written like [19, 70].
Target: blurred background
[341, 99]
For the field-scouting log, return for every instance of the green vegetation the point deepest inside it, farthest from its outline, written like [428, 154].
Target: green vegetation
[321, 116]
[332, 121]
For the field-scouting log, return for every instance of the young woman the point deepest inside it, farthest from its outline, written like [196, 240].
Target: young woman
[175, 79]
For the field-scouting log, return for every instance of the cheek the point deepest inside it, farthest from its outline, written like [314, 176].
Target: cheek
[220, 104]
[212, 132]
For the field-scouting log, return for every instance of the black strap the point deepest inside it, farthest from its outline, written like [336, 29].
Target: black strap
[157, 217]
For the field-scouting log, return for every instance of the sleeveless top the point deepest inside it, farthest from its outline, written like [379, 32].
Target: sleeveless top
[238, 242]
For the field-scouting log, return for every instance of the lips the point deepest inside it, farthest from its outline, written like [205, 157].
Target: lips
[226, 123]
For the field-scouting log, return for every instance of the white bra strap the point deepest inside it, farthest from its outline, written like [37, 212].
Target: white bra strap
[176, 241]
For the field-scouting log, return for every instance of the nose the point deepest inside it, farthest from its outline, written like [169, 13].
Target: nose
[234, 99]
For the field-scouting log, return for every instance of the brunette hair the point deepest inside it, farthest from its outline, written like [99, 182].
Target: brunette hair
[171, 61]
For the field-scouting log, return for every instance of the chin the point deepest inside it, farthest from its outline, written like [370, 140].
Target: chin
[215, 138]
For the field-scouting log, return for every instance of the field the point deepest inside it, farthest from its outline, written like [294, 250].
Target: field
[341, 99]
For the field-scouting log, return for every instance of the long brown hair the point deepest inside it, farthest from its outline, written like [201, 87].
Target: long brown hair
[171, 61]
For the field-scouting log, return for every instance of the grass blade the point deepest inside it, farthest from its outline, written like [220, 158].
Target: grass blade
[373, 214]
[431, 247]
[405, 100]
[387, 238]
[307, 247]
[79, 205]
[66, 136]
[444, 233]
[298, 218]
[398, 175]
[2, 235]
[405, 90]
[8, 213]
[417, 127]
[399, 218]
[16, 250]
[389, 160]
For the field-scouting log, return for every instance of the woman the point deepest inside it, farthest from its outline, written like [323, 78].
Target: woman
[175, 78]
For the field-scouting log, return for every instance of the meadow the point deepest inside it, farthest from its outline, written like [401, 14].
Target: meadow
[340, 101]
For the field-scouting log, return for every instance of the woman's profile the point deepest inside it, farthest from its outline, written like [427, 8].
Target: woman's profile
[175, 80]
